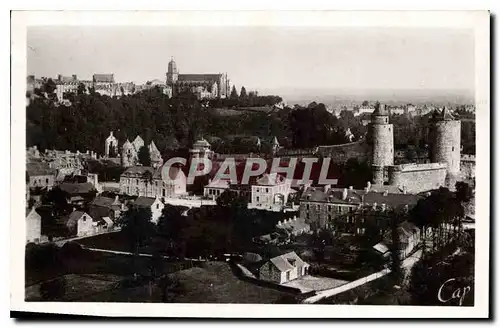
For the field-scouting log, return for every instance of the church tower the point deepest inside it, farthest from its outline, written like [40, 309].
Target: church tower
[172, 73]
[382, 134]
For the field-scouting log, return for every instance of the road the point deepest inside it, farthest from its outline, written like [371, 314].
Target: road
[407, 264]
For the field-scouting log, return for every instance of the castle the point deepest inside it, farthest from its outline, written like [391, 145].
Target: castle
[204, 86]
[444, 169]
[130, 151]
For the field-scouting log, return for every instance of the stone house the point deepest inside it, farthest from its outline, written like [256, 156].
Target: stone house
[105, 207]
[342, 209]
[409, 239]
[149, 182]
[270, 193]
[154, 204]
[33, 227]
[40, 175]
[283, 268]
[79, 224]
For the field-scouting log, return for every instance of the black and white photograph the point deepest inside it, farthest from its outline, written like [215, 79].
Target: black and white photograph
[251, 164]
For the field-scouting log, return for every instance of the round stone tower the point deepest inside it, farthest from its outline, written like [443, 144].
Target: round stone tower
[382, 138]
[445, 140]
[172, 73]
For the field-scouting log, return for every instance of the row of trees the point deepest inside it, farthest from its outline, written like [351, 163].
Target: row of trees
[176, 122]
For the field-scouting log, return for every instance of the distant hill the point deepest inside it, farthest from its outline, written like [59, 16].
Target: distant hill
[335, 97]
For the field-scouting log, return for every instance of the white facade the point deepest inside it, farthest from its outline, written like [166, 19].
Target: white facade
[84, 226]
[270, 193]
[33, 227]
[156, 210]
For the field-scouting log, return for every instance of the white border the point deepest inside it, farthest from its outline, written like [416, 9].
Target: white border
[479, 21]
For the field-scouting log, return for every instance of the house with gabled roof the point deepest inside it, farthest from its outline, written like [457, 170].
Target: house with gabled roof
[283, 268]
[154, 204]
[79, 224]
[153, 182]
[270, 193]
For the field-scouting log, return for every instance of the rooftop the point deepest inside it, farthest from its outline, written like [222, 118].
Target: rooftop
[77, 188]
[144, 201]
[284, 262]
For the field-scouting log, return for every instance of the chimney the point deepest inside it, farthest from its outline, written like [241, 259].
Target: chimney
[327, 187]
[368, 185]
[383, 207]
[110, 133]
[350, 187]
[59, 77]
[386, 192]
[344, 194]
[117, 198]
[374, 206]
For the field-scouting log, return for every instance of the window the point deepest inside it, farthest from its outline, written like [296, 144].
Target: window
[157, 206]
[287, 276]
[307, 207]
[318, 207]
[452, 148]
[47, 181]
[257, 198]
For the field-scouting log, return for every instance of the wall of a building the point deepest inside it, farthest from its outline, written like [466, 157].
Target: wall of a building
[339, 154]
[416, 178]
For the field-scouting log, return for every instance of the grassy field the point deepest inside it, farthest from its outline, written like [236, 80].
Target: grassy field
[211, 282]
[215, 282]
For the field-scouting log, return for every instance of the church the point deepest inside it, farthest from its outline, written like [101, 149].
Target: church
[130, 151]
[204, 86]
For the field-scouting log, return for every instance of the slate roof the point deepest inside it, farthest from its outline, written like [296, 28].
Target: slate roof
[108, 202]
[355, 196]
[198, 77]
[380, 110]
[283, 263]
[144, 201]
[39, 168]
[271, 180]
[73, 218]
[76, 188]
[222, 184]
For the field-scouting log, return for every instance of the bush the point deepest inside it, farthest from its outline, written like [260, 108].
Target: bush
[71, 249]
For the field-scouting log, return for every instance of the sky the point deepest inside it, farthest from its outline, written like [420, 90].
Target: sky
[268, 59]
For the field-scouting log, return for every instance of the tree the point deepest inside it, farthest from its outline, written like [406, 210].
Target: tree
[365, 103]
[144, 156]
[234, 93]
[49, 86]
[464, 192]
[395, 248]
[81, 89]
[243, 93]
[137, 226]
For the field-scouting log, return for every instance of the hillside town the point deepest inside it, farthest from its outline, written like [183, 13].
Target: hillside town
[356, 203]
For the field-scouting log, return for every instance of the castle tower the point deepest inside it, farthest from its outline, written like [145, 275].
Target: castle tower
[172, 73]
[111, 146]
[382, 134]
[445, 140]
